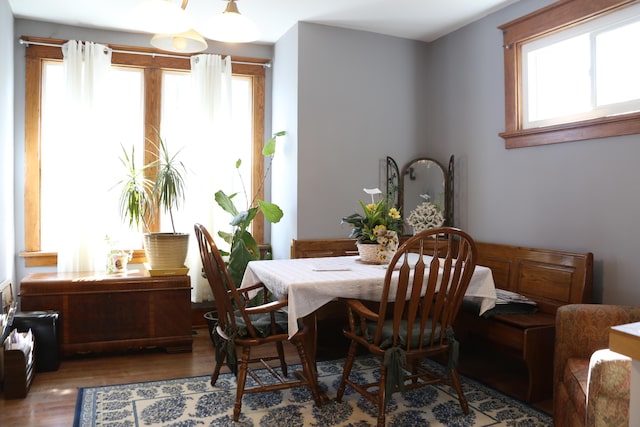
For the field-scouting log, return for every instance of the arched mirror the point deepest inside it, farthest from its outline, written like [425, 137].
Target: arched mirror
[425, 180]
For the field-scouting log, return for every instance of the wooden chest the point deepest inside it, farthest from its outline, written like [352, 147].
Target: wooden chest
[100, 313]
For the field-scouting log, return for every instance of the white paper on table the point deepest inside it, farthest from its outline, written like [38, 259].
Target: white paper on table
[330, 265]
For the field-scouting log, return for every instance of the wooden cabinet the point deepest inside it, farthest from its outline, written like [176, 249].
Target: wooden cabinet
[100, 313]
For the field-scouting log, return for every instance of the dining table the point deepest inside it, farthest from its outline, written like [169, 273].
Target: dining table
[310, 283]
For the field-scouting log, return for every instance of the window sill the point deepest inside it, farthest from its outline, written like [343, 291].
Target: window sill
[50, 259]
[626, 124]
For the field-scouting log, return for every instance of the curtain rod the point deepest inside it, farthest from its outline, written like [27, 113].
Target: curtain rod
[153, 54]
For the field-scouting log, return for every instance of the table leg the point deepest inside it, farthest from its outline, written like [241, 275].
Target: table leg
[311, 348]
[311, 339]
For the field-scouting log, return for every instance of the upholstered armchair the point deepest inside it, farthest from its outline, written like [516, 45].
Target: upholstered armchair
[591, 382]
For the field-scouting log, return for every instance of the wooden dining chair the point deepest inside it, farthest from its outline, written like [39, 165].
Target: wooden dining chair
[420, 300]
[244, 325]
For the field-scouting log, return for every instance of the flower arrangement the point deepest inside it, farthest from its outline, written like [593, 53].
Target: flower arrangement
[378, 222]
[425, 216]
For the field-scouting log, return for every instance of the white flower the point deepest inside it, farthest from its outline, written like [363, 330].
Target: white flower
[371, 192]
[425, 216]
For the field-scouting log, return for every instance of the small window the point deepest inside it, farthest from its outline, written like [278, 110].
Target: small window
[588, 71]
[571, 73]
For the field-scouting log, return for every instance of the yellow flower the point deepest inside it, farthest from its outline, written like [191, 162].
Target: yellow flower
[394, 213]
[371, 207]
[380, 230]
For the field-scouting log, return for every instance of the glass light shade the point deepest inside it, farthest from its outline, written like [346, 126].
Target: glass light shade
[187, 42]
[160, 16]
[231, 26]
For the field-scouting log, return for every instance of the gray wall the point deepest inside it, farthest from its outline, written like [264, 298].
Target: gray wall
[363, 96]
[359, 99]
[7, 228]
[284, 175]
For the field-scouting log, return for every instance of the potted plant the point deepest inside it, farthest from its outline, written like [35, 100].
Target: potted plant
[167, 250]
[376, 229]
[142, 196]
[243, 247]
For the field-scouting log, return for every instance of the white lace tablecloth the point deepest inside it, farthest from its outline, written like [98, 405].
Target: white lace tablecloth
[309, 283]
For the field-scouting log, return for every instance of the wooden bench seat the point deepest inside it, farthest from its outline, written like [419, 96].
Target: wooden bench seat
[323, 248]
[551, 279]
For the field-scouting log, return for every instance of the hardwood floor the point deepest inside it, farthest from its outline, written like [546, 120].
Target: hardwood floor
[507, 374]
[52, 398]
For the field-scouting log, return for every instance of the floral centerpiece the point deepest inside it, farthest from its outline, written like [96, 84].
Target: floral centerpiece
[376, 229]
[425, 216]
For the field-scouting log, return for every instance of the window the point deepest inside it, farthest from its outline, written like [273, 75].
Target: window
[126, 100]
[140, 82]
[570, 73]
[584, 72]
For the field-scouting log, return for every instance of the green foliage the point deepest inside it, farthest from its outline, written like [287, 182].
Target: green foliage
[169, 188]
[243, 247]
[376, 219]
[136, 194]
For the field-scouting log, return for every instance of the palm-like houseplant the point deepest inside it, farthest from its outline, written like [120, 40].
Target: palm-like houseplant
[243, 246]
[136, 192]
[141, 196]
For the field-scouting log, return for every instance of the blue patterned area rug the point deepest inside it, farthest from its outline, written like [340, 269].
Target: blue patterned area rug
[193, 402]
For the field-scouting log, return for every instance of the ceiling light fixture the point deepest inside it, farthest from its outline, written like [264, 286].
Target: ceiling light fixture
[188, 42]
[174, 28]
[172, 24]
[231, 27]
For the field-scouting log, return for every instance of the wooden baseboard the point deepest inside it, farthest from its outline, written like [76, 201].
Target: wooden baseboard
[198, 311]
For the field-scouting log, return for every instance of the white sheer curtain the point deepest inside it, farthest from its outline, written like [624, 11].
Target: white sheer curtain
[85, 180]
[209, 161]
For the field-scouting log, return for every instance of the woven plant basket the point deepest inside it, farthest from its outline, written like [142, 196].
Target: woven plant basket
[379, 253]
[166, 250]
[369, 252]
[372, 253]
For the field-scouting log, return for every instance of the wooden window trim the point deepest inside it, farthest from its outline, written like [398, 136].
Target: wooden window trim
[543, 22]
[34, 59]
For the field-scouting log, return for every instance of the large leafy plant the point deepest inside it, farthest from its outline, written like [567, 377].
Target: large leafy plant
[243, 246]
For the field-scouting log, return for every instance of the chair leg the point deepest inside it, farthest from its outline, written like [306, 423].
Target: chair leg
[283, 363]
[455, 380]
[216, 369]
[348, 364]
[415, 363]
[382, 391]
[309, 373]
[242, 378]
